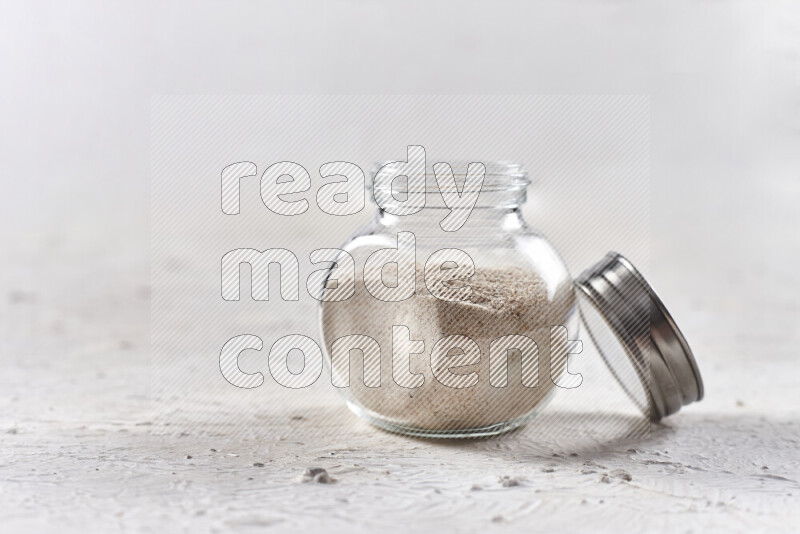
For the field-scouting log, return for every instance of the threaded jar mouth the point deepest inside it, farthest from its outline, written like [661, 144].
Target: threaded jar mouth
[504, 183]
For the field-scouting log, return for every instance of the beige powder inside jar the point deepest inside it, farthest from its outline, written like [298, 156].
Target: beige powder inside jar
[503, 301]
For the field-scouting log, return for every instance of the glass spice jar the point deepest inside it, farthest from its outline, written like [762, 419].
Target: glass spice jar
[460, 319]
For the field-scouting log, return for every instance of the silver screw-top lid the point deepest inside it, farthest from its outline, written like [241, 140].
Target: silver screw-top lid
[637, 337]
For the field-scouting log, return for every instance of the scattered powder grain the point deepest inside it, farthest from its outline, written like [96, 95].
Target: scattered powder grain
[316, 474]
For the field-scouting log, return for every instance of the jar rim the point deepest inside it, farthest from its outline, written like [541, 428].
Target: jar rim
[499, 175]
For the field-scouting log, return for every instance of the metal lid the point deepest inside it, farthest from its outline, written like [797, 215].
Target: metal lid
[637, 337]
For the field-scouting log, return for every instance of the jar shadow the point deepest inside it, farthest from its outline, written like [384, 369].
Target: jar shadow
[560, 433]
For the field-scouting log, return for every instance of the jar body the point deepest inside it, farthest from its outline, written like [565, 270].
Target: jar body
[520, 287]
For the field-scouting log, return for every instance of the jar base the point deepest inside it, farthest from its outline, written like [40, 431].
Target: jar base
[460, 433]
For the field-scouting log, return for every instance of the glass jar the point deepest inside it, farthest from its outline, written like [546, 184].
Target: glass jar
[519, 287]
[482, 342]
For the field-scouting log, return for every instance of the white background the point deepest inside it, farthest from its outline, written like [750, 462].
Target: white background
[723, 77]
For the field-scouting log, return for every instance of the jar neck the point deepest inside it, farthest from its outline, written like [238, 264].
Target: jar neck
[480, 221]
[494, 190]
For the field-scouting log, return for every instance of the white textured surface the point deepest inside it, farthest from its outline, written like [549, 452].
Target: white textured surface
[78, 448]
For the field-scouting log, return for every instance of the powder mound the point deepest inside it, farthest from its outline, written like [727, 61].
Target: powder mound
[502, 301]
[505, 291]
